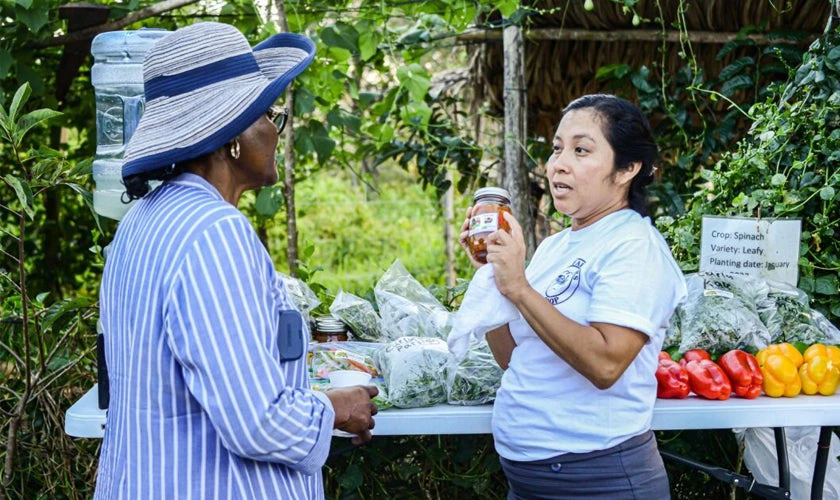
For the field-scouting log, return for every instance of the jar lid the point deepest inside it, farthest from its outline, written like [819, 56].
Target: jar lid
[330, 324]
[492, 191]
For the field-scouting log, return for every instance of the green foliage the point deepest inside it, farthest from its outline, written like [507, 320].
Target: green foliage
[696, 116]
[44, 341]
[787, 166]
[355, 239]
[421, 467]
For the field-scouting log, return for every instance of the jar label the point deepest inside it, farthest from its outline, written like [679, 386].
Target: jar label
[484, 223]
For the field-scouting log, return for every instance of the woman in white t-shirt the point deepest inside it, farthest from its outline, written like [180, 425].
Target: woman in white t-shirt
[572, 417]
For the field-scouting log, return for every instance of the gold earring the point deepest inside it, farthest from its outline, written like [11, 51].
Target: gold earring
[234, 149]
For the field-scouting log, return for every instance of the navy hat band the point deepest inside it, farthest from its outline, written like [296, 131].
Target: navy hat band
[202, 76]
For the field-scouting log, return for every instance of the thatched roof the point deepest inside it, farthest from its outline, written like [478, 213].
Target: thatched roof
[558, 70]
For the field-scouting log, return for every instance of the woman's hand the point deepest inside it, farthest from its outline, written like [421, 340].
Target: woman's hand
[354, 410]
[463, 238]
[506, 251]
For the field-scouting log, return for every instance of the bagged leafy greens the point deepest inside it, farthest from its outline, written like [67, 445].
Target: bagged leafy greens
[830, 333]
[719, 313]
[359, 314]
[786, 309]
[673, 335]
[302, 296]
[407, 308]
[789, 317]
[416, 371]
[476, 378]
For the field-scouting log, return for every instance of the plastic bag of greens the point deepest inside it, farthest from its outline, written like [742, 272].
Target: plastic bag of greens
[407, 308]
[416, 370]
[787, 309]
[476, 378]
[830, 333]
[673, 335]
[302, 296]
[359, 315]
[717, 315]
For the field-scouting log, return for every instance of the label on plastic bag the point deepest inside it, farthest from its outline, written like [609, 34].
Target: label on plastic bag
[711, 292]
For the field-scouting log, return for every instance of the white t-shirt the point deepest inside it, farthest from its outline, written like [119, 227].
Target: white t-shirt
[619, 270]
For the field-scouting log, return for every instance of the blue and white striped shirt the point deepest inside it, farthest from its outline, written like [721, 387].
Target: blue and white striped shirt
[201, 407]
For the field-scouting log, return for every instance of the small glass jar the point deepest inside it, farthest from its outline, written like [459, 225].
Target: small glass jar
[488, 205]
[329, 329]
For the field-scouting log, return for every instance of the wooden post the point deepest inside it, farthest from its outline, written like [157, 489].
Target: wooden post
[515, 177]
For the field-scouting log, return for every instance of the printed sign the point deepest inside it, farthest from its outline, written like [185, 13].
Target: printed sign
[764, 248]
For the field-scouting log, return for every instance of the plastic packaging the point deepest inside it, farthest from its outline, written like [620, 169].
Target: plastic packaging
[117, 78]
[476, 378]
[801, 442]
[719, 314]
[302, 296]
[416, 371]
[365, 324]
[333, 356]
[407, 308]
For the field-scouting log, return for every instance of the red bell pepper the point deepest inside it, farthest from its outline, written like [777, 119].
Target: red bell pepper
[694, 355]
[671, 380]
[665, 355]
[708, 380]
[743, 372]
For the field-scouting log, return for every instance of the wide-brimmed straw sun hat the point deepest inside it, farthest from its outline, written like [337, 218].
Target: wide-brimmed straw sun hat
[204, 85]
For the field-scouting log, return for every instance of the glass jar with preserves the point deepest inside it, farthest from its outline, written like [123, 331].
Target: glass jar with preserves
[329, 329]
[488, 205]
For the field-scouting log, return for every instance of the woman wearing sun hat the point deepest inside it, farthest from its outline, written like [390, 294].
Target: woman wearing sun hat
[209, 393]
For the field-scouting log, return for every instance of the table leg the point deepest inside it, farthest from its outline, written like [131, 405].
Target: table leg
[821, 463]
[782, 458]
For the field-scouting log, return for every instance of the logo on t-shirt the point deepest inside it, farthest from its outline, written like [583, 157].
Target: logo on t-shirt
[564, 285]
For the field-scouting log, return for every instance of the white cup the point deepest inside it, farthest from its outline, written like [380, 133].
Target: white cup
[348, 378]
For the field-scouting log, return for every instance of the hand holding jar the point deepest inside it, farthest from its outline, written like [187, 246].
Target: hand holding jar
[483, 219]
[490, 233]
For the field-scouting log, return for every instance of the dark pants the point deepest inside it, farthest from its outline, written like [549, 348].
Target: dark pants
[630, 470]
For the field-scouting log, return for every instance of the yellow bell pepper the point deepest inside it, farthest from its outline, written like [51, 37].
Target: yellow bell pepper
[832, 352]
[780, 376]
[819, 374]
[786, 349]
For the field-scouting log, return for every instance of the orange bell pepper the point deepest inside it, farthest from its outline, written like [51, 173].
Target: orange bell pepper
[786, 349]
[744, 373]
[819, 374]
[780, 375]
[707, 379]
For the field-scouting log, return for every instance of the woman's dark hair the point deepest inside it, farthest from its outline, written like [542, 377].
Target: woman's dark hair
[631, 138]
[137, 185]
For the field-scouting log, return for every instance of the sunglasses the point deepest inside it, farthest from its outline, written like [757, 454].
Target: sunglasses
[278, 117]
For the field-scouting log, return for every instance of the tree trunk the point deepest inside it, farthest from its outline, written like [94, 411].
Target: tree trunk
[289, 162]
[449, 229]
[516, 178]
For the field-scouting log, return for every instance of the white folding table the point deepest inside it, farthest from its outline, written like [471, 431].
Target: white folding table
[85, 419]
